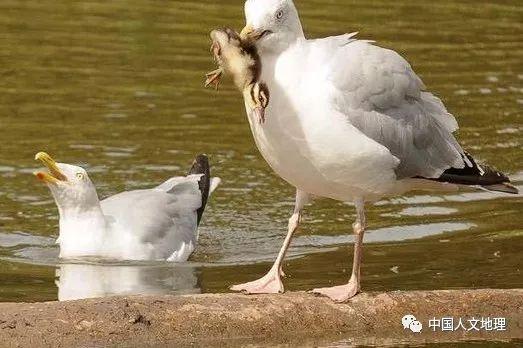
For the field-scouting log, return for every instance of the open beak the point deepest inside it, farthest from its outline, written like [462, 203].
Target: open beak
[250, 34]
[55, 175]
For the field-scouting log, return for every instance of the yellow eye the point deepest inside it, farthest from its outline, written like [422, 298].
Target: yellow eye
[80, 176]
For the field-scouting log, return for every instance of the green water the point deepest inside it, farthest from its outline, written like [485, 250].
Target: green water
[116, 86]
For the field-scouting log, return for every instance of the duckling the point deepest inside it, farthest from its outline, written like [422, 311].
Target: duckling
[240, 59]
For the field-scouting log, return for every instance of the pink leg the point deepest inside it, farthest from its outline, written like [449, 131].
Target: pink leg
[343, 293]
[271, 283]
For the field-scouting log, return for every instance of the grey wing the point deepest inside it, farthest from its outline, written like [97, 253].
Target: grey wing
[384, 99]
[164, 217]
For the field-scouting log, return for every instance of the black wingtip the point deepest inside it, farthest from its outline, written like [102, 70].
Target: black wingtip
[201, 166]
[477, 174]
[503, 187]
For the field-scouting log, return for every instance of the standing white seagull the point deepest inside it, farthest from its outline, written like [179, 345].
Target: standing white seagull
[350, 121]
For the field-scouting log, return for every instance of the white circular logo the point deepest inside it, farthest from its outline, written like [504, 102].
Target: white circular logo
[410, 322]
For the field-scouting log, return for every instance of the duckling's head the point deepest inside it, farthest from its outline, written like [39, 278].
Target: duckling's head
[257, 97]
[225, 42]
[71, 187]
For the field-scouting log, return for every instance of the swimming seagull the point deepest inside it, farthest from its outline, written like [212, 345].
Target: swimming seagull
[351, 121]
[155, 224]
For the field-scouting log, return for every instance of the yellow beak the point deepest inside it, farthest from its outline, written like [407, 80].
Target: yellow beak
[54, 175]
[250, 34]
[247, 32]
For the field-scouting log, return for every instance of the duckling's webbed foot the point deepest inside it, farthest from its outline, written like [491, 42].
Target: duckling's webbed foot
[256, 96]
[262, 96]
[259, 112]
[214, 78]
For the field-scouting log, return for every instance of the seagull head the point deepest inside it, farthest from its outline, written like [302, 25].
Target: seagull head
[272, 24]
[70, 185]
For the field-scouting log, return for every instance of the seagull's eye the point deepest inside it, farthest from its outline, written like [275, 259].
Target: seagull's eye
[279, 14]
[80, 176]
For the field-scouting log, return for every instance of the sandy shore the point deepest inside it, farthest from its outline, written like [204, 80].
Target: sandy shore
[233, 319]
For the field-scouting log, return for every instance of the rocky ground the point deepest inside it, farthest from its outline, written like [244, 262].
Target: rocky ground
[233, 319]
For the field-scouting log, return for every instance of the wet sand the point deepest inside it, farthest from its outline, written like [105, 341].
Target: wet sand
[234, 319]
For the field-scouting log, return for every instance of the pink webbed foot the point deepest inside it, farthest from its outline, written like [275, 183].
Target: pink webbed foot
[213, 78]
[269, 284]
[259, 113]
[341, 293]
